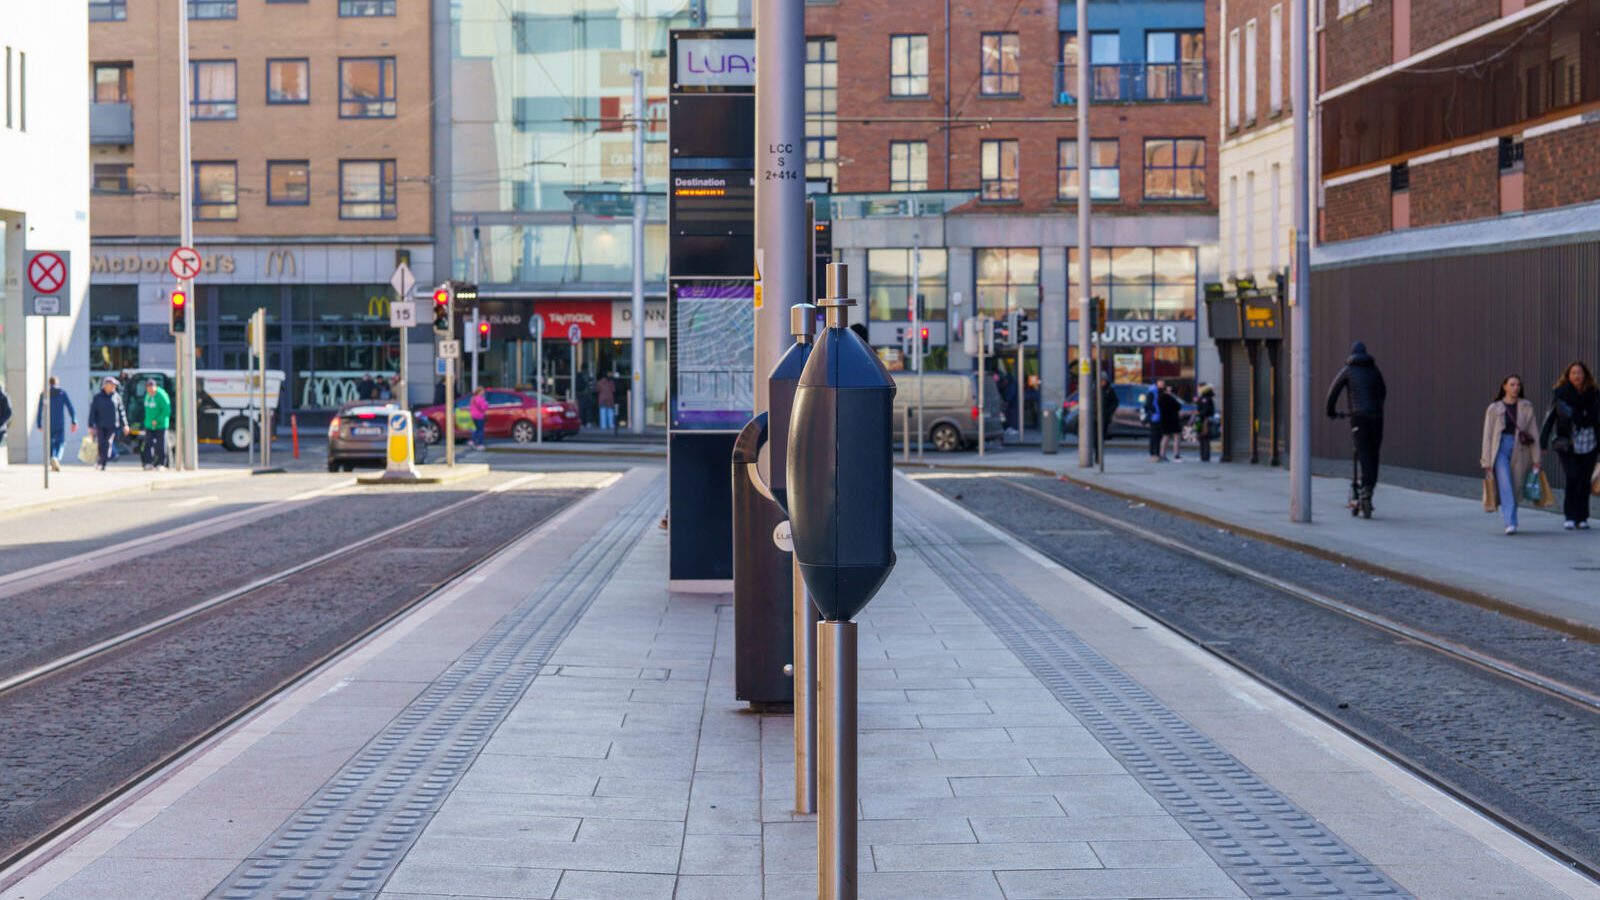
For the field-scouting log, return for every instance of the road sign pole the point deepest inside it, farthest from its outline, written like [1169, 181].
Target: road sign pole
[636, 394]
[983, 375]
[44, 356]
[538, 376]
[477, 340]
[266, 417]
[450, 414]
[1085, 149]
[188, 447]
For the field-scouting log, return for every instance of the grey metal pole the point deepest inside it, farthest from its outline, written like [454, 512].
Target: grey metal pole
[188, 444]
[805, 697]
[261, 361]
[916, 332]
[1099, 417]
[477, 342]
[836, 763]
[983, 375]
[450, 413]
[780, 180]
[636, 395]
[1022, 384]
[1085, 149]
[538, 380]
[1300, 285]
[44, 358]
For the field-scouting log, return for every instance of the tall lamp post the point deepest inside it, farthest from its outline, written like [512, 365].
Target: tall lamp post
[1300, 283]
[1088, 399]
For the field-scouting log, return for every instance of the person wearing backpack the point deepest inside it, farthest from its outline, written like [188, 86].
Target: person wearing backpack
[1570, 429]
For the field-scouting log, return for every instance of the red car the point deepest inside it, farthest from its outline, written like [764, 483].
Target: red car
[511, 414]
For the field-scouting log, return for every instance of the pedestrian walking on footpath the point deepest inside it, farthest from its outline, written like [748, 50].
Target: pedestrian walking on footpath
[605, 392]
[61, 412]
[1570, 429]
[5, 413]
[1205, 407]
[478, 409]
[157, 419]
[1171, 423]
[366, 388]
[107, 419]
[1360, 376]
[1152, 417]
[1507, 454]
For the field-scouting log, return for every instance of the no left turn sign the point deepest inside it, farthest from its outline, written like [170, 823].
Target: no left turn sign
[184, 263]
[47, 272]
[575, 334]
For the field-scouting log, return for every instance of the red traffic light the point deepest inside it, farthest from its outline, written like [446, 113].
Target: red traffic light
[483, 327]
[179, 298]
[441, 297]
[924, 335]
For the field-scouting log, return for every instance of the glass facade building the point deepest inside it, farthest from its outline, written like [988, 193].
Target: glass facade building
[538, 182]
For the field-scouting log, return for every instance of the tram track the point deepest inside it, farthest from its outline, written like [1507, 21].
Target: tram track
[1417, 695]
[156, 692]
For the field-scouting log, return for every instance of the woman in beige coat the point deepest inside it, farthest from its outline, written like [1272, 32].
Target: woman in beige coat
[1509, 445]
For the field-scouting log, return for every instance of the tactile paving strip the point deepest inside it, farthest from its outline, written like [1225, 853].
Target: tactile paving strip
[346, 842]
[1264, 842]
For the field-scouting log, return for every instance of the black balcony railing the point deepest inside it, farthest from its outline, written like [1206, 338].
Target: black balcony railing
[1135, 82]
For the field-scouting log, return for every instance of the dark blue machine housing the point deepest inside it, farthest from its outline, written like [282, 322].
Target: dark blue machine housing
[840, 474]
[781, 386]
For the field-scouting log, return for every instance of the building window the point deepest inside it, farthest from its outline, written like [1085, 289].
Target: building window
[1250, 71]
[1275, 61]
[108, 10]
[113, 83]
[214, 91]
[288, 81]
[112, 178]
[1175, 65]
[1000, 64]
[1249, 223]
[908, 65]
[367, 189]
[1007, 279]
[216, 191]
[999, 162]
[349, 8]
[1233, 78]
[1175, 169]
[113, 328]
[1141, 283]
[213, 9]
[889, 284]
[1105, 180]
[822, 106]
[367, 88]
[1233, 225]
[1351, 7]
[1105, 66]
[908, 165]
[1276, 200]
[288, 182]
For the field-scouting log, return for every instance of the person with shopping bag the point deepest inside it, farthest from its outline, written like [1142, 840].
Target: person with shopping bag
[107, 419]
[1570, 429]
[1507, 453]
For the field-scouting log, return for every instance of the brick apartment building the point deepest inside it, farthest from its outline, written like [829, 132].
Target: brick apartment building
[310, 178]
[1460, 187]
[920, 96]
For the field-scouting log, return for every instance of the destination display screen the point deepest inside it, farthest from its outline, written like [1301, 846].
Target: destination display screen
[713, 202]
[713, 354]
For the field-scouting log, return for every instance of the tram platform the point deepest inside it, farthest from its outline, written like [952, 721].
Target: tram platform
[557, 724]
[1438, 541]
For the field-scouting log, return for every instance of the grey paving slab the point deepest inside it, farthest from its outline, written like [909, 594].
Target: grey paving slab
[984, 857]
[122, 877]
[717, 887]
[1117, 884]
[430, 879]
[615, 886]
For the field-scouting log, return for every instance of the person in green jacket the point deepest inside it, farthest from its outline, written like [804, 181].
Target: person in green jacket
[157, 419]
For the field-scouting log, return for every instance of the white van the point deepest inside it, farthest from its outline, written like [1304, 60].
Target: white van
[227, 402]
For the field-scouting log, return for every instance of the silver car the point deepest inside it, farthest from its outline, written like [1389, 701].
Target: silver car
[359, 435]
[950, 409]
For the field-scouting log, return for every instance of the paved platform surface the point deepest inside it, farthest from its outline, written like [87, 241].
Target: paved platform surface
[560, 725]
[22, 486]
[1438, 538]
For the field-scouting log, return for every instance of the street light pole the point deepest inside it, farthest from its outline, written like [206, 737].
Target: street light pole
[780, 191]
[636, 394]
[1088, 399]
[188, 457]
[1300, 279]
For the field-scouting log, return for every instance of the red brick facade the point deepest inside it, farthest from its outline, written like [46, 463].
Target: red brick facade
[1456, 189]
[1563, 167]
[1357, 209]
[1356, 44]
[1436, 21]
[862, 30]
[1239, 15]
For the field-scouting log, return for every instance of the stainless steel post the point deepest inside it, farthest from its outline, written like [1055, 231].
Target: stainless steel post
[1300, 278]
[836, 762]
[1022, 385]
[805, 697]
[44, 358]
[188, 444]
[983, 375]
[450, 413]
[261, 361]
[477, 347]
[538, 382]
[916, 331]
[636, 393]
[780, 181]
[1085, 150]
[905, 434]
[1099, 417]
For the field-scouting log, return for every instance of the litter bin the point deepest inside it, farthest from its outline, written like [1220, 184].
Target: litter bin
[1050, 431]
[763, 617]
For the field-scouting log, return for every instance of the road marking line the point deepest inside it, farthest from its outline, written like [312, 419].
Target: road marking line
[193, 501]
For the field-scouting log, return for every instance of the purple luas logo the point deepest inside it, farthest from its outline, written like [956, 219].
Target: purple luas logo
[719, 61]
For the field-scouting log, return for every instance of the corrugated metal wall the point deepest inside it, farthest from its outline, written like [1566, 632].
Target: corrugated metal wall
[1445, 331]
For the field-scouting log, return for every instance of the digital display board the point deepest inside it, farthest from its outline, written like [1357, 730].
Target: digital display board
[713, 202]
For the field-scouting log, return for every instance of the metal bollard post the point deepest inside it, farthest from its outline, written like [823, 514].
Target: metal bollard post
[905, 434]
[836, 743]
[1050, 430]
[805, 697]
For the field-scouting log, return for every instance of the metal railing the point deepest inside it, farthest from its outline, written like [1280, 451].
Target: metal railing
[1135, 82]
[110, 123]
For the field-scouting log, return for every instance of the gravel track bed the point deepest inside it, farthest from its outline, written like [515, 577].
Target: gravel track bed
[48, 621]
[1527, 755]
[79, 734]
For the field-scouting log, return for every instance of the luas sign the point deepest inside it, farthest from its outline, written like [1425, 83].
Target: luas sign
[715, 62]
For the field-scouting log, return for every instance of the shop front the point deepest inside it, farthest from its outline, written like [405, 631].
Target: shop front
[583, 340]
[327, 314]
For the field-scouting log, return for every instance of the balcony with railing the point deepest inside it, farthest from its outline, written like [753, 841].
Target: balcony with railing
[1135, 82]
[110, 123]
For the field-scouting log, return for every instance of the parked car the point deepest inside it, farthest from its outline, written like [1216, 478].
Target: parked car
[359, 435]
[511, 414]
[950, 415]
[1127, 420]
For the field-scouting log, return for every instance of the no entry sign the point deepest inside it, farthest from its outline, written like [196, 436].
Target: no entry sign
[184, 263]
[47, 272]
[48, 276]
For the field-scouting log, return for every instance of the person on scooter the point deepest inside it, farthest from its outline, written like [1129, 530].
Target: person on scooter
[1367, 393]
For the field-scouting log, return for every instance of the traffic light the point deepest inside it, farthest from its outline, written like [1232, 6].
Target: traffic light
[483, 336]
[441, 309]
[180, 312]
[1097, 314]
[1019, 331]
[924, 339]
[1001, 331]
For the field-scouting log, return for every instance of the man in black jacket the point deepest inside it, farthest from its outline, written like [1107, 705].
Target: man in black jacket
[5, 414]
[107, 419]
[1367, 392]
